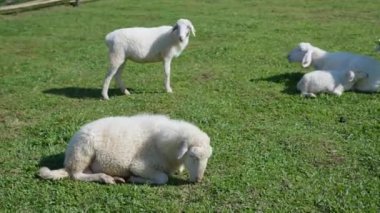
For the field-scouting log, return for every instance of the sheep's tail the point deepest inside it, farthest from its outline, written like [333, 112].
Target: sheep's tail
[301, 85]
[109, 39]
[46, 173]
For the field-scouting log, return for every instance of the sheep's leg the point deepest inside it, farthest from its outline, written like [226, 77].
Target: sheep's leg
[156, 177]
[116, 62]
[181, 169]
[119, 80]
[79, 161]
[98, 177]
[167, 63]
[146, 174]
[79, 170]
[367, 86]
[338, 90]
[308, 95]
[373, 88]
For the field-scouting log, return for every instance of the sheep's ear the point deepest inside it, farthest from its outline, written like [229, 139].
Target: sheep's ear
[195, 152]
[306, 61]
[175, 27]
[350, 76]
[182, 150]
[200, 152]
[191, 27]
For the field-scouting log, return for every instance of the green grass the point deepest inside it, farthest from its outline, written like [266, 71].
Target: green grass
[273, 151]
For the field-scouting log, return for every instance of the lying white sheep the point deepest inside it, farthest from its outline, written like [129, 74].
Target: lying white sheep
[142, 148]
[334, 82]
[144, 45]
[309, 55]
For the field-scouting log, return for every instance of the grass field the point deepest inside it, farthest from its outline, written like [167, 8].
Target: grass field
[273, 150]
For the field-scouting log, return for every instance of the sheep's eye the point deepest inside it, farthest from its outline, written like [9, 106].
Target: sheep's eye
[193, 157]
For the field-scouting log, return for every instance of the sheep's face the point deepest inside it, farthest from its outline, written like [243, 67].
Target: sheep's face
[182, 30]
[352, 77]
[302, 54]
[298, 53]
[196, 162]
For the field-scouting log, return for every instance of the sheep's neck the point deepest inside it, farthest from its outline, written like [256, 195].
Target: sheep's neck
[317, 56]
[177, 47]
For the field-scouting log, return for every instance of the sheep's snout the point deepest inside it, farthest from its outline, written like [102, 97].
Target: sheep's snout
[196, 168]
[196, 179]
[181, 39]
[288, 57]
[296, 55]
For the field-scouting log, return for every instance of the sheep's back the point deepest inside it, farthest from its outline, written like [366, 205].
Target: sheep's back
[114, 142]
[319, 81]
[364, 64]
[336, 61]
[139, 44]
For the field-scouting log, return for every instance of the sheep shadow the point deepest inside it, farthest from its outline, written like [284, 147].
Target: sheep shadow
[56, 162]
[92, 93]
[290, 81]
[52, 161]
[83, 93]
[174, 181]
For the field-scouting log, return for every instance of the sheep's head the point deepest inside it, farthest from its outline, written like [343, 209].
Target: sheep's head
[182, 29]
[195, 158]
[353, 77]
[302, 54]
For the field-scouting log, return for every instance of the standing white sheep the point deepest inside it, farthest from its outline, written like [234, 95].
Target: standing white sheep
[320, 59]
[142, 148]
[144, 45]
[334, 82]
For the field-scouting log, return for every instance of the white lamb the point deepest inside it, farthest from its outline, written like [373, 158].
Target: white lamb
[334, 82]
[322, 60]
[140, 149]
[144, 45]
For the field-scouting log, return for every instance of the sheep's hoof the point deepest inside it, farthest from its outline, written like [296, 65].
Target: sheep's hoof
[119, 179]
[105, 97]
[126, 92]
[181, 169]
[169, 90]
[107, 179]
[308, 95]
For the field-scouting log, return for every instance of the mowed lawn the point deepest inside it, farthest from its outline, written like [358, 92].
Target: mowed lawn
[273, 150]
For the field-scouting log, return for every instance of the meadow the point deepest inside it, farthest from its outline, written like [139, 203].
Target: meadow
[273, 150]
